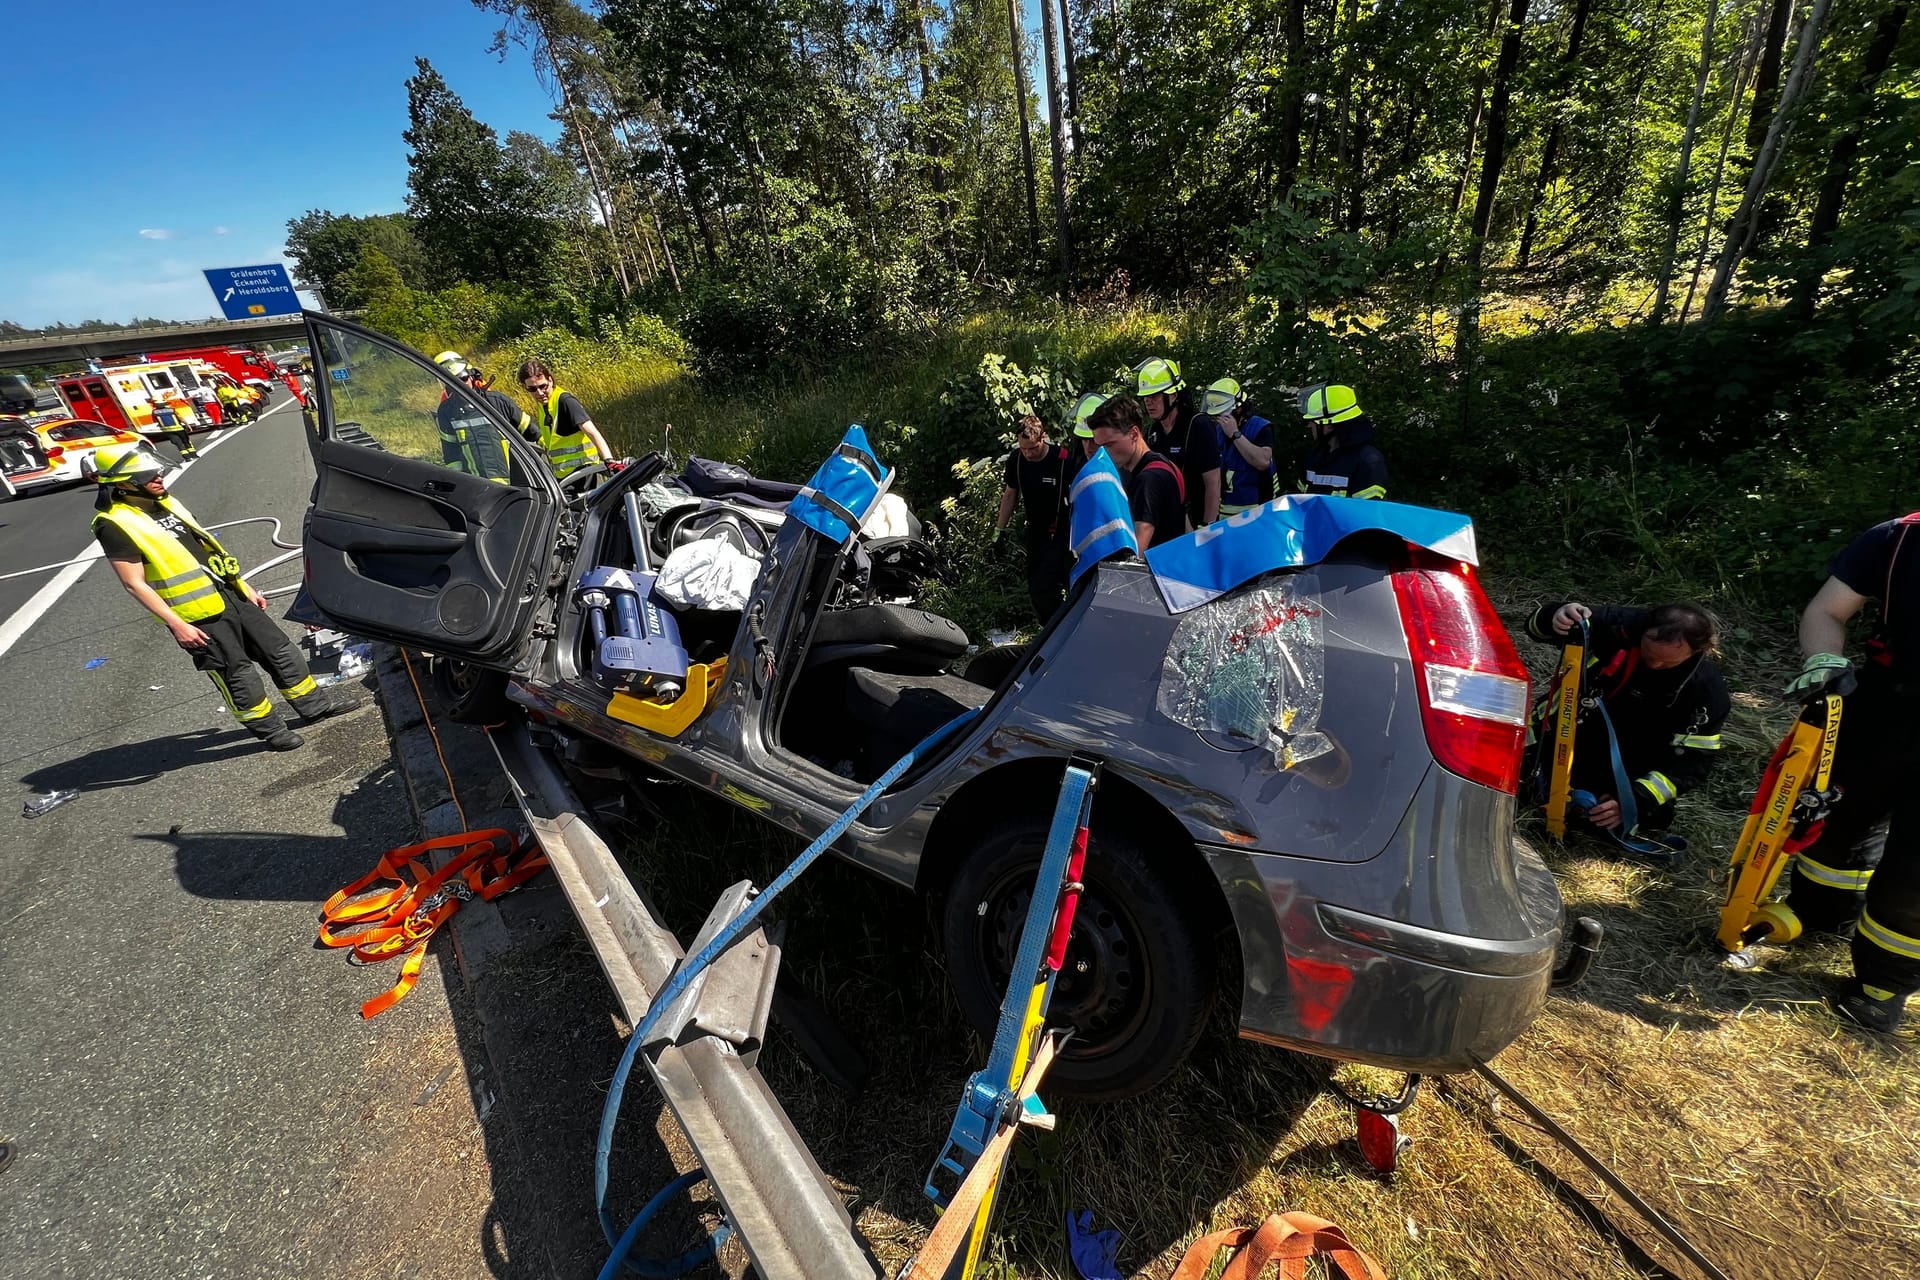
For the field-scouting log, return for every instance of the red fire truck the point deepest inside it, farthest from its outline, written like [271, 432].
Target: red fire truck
[245, 366]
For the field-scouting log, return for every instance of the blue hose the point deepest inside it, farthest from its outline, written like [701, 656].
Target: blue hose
[677, 984]
[666, 1267]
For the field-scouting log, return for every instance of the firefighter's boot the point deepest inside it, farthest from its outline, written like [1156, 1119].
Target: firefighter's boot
[1874, 1008]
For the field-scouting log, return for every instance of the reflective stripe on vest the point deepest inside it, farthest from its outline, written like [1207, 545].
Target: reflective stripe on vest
[567, 453]
[172, 571]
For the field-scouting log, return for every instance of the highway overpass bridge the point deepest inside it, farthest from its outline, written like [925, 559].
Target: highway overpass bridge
[77, 347]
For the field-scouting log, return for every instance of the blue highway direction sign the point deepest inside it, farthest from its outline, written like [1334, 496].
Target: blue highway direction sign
[245, 292]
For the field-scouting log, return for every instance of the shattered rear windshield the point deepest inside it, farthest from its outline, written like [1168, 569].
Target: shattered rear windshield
[1250, 666]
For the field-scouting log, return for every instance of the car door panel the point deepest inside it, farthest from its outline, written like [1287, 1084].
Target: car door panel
[401, 543]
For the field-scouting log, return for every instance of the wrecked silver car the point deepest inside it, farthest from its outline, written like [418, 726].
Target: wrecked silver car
[1309, 755]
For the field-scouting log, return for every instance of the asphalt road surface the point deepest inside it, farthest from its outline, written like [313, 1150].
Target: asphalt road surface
[187, 1082]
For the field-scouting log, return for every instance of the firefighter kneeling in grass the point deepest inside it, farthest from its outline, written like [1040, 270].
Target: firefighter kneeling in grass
[185, 578]
[1649, 672]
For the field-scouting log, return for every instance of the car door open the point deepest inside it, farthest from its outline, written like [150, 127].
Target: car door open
[432, 522]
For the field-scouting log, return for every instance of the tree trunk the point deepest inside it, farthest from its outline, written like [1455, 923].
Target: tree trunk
[1057, 132]
[1494, 157]
[1073, 72]
[1749, 58]
[1473, 126]
[1550, 151]
[1766, 83]
[1677, 208]
[936, 163]
[1015, 14]
[1833, 188]
[1746, 220]
[1405, 162]
[600, 196]
[1295, 86]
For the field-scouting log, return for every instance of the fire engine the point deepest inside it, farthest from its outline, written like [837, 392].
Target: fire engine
[124, 395]
[244, 365]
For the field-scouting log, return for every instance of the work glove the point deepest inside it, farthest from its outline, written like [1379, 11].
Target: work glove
[1095, 1254]
[1820, 675]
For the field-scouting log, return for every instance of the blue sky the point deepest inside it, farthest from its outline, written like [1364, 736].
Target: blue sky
[141, 160]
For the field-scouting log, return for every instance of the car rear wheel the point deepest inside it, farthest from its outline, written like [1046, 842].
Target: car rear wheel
[1137, 985]
[472, 695]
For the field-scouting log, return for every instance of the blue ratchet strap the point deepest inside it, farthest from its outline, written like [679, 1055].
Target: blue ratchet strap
[1625, 835]
[990, 1091]
[676, 986]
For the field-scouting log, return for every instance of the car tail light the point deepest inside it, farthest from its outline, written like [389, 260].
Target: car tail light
[1473, 686]
[55, 453]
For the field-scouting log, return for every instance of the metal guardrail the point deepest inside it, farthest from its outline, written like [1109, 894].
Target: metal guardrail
[784, 1211]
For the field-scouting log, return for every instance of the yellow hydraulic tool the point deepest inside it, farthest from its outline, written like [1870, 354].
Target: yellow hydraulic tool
[1788, 811]
[1566, 717]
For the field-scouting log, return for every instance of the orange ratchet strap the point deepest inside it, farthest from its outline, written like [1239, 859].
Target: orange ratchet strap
[402, 919]
[1285, 1240]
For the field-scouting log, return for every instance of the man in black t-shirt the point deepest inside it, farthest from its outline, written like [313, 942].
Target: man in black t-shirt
[1035, 477]
[1155, 490]
[1864, 871]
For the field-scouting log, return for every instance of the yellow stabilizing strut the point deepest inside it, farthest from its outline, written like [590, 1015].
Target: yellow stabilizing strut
[1804, 756]
[1566, 712]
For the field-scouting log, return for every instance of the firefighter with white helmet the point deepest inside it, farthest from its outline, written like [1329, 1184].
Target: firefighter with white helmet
[181, 574]
[1246, 447]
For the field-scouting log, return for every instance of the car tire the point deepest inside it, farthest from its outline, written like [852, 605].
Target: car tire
[470, 694]
[1138, 984]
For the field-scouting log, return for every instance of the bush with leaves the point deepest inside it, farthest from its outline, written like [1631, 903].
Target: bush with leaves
[985, 587]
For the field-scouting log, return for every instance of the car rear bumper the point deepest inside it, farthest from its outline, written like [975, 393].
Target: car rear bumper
[1450, 961]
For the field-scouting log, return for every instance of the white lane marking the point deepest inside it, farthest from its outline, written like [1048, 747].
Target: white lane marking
[45, 598]
[42, 600]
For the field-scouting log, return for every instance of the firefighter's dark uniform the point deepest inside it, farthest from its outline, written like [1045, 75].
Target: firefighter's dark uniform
[1866, 865]
[1347, 463]
[189, 569]
[472, 442]
[1667, 722]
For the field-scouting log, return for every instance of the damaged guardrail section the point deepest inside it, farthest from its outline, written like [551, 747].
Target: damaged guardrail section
[785, 1212]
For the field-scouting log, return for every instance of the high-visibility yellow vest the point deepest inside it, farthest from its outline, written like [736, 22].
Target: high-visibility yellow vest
[187, 586]
[567, 453]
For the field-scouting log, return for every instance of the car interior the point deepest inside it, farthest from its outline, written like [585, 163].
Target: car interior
[874, 675]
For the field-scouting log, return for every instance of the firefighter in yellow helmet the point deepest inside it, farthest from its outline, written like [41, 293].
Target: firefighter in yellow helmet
[566, 432]
[470, 441]
[1179, 432]
[183, 576]
[1344, 461]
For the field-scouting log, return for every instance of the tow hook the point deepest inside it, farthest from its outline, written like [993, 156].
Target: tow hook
[1587, 934]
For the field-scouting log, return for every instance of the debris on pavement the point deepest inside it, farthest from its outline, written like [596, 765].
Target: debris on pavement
[43, 802]
[95, 662]
[355, 661]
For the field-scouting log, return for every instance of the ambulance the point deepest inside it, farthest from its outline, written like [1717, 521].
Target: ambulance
[124, 395]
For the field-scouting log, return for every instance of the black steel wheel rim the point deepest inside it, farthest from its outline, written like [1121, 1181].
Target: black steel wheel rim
[1103, 987]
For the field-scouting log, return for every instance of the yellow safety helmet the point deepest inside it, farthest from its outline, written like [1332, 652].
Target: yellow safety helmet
[453, 363]
[1329, 403]
[122, 464]
[1156, 376]
[1082, 410]
[1223, 396]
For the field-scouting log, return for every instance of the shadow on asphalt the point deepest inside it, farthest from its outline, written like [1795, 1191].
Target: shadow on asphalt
[133, 763]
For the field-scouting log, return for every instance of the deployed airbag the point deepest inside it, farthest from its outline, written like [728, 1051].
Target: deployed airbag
[709, 574]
